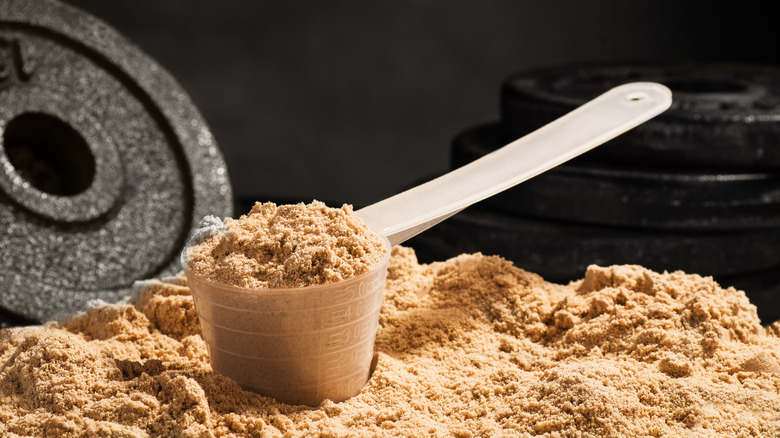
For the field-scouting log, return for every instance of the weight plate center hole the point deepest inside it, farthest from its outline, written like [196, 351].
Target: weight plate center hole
[49, 154]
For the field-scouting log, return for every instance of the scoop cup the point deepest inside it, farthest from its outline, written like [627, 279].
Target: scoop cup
[299, 345]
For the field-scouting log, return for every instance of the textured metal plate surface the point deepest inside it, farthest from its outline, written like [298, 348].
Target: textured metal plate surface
[105, 166]
[722, 115]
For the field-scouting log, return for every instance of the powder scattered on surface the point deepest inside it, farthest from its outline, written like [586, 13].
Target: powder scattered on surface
[468, 347]
[286, 246]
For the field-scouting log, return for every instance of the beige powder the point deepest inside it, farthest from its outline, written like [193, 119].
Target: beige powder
[468, 347]
[288, 246]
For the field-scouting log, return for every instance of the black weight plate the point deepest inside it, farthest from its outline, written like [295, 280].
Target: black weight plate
[105, 166]
[587, 191]
[560, 252]
[723, 116]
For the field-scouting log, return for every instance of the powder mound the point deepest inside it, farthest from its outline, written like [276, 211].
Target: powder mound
[286, 246]
[472, 346]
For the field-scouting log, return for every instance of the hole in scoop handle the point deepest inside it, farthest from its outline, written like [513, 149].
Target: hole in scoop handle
[406, 214]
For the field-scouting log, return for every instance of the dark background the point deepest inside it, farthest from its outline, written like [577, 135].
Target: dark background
[352, 101]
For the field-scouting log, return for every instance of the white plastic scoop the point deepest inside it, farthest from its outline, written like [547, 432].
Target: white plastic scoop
[406, 214]
[304, 345]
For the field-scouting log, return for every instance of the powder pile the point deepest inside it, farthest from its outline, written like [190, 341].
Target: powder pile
[472, 346]
[287, 246]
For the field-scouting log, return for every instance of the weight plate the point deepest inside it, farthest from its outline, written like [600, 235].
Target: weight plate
[722, 115]
[585, 190]
[560, 251]
[105, 166]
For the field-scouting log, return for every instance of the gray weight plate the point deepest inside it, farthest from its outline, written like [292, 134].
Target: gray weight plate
[105, 164]
[723, 116]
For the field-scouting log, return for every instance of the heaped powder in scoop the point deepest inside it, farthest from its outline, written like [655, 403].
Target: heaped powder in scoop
[468, 347]
[287, 246]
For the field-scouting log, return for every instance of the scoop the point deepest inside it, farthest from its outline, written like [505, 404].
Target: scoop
[406, 214]
[307, 344]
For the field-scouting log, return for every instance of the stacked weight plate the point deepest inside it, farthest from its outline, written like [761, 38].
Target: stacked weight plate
[695, 189]
[106, 165]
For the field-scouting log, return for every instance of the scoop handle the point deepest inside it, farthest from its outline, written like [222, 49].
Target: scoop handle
[413, 211]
